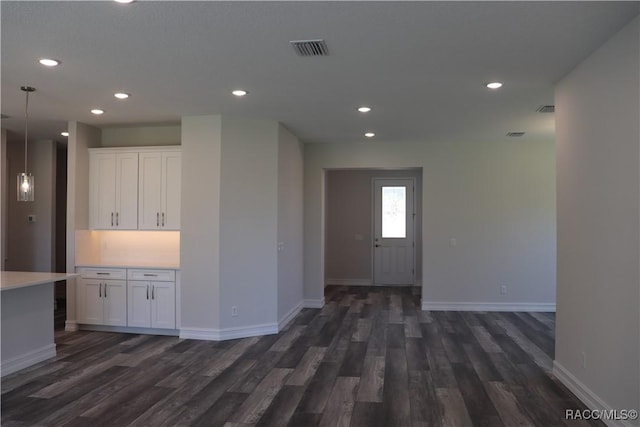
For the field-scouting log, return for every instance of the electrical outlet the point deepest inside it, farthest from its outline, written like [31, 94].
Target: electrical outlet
[503, 289]
[234, 310]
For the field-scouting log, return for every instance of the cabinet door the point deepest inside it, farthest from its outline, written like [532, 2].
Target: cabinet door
[102, 193]
[139, 303]
[171, 182]
[89, 301]
[150, 197]
[126, 196]
[163, 305]
[115, 302]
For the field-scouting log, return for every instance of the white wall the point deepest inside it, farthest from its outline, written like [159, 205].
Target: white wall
[290, 217]
[200, 222]
[598, 168]
[248, 222]
[349, 207]
[30, 245]
[81, 138]
[496, 199]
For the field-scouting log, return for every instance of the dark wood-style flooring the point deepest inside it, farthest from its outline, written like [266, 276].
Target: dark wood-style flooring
[370, 357]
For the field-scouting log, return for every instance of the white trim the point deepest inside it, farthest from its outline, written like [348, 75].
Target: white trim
[129, 330]
[587, 396]
[27, 359]
[348, 282]
[488, 306]
[70, 325]
[313, 303]
[228, 333]
[289, 316]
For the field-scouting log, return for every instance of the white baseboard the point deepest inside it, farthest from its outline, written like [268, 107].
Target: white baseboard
[27, 359]
[289, 316]
[129, 330]
[228, 333]
[348, 282]
[586, 396]
[70, 325]
[313, 303]
[487, 306]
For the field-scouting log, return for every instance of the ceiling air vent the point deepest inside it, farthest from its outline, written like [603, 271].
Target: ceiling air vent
[546, 109]
[310, 47]
[515, 134]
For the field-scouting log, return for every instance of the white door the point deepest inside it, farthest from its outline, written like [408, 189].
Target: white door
[114, 294]
[102, 179]
[171, 181]
[150, 198]
[89, 301]
[393, 219]
[126, 191]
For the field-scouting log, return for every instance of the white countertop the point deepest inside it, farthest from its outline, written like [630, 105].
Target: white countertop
[147, 266]
[22, 279]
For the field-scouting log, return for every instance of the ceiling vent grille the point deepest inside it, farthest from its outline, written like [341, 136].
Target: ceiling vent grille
[310, 47]
[546, 109]
[515, 134]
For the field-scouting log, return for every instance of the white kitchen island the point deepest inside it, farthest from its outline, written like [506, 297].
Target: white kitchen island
[27, 318]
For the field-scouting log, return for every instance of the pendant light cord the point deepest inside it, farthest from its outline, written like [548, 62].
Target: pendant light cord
[26, 129]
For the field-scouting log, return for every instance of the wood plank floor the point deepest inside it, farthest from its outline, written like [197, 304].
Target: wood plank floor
[370, 357]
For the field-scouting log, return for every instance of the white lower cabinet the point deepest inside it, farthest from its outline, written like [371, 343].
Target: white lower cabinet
[102, 297]
[127, 297]
[152, 298]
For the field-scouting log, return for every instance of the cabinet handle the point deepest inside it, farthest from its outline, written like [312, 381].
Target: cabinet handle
[117, 219]
[112, 219]
[103, 274]
[147, 291]
[100, 290]
[150, 275]
[105, 290]
[157, 219]
[163, 219]
[153, 292]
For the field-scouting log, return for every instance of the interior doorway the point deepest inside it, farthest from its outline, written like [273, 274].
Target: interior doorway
[349, 225]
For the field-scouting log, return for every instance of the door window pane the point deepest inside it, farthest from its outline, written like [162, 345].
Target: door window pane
[394, 212]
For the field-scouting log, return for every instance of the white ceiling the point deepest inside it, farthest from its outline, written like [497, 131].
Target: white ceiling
[421, 66]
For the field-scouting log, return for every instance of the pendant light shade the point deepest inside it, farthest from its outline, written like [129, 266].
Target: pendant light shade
[26, 181]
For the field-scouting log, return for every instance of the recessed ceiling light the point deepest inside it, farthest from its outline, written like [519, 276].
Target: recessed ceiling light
[364, 109]
[494, 85]
[124, 1]
[121, 95]
[97, 111]
[64, 133]
[239, 92]
[49, 62]
[369, 134]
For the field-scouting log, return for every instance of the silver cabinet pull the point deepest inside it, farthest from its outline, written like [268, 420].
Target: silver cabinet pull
[103, 274]
[117, 219]
[147, 291]
[153, 292]
[157, 219]
[105, 290]
[163, 219]
[112, 219]
[100, 290]
[150, 275]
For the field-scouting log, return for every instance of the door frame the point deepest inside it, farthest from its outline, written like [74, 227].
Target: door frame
[373, 227]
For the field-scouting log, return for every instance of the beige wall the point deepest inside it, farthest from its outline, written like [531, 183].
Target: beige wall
[598, 152]
[348, 227]
[141, 136]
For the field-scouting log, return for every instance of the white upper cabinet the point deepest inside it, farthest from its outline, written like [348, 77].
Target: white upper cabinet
[159, 180]
[113, 190]
[135, 188]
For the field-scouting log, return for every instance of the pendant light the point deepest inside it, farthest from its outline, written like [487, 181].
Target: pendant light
[26, 181]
